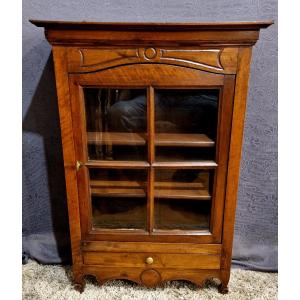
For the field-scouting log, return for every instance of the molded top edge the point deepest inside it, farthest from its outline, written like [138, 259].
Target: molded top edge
[120, 26]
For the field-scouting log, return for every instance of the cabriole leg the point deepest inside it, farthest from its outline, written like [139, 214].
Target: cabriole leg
[79, 283]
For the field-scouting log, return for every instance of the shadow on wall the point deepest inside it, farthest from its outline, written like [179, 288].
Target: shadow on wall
[42, 118]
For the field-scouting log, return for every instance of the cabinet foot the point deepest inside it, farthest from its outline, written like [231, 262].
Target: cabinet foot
[79, 284]
[223, 289]
[79, 287]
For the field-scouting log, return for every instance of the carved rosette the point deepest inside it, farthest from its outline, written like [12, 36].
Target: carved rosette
[150, 277]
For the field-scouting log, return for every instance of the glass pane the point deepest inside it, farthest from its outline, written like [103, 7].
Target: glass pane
[118, 198]
[182, 214]
[116, 123]
[182, 199]
[186, 124]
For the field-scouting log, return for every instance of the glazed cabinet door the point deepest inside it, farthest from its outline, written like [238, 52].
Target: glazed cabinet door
[152, 153]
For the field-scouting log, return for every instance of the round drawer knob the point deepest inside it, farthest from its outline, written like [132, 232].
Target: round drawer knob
[149, 260]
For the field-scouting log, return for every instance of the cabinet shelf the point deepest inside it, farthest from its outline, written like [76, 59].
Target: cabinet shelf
[183, 140]
[165, 190]
[140, 139]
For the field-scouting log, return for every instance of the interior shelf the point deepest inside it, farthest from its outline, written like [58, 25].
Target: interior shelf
[181, 214]
[183, 140]
[166, 190]
[139, 139]
[117, 138]
[118, 188]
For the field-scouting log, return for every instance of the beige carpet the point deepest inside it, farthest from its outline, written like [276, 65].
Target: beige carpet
[53, 282]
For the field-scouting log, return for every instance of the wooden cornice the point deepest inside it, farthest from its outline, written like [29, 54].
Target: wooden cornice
[108, 34]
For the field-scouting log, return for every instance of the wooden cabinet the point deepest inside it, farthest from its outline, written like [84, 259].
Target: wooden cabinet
[152, 120]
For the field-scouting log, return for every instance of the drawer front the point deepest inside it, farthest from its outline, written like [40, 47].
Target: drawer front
[215, 60]
[153, 260]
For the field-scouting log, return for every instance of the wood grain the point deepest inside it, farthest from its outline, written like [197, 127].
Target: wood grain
[143, 75]
[155, 26]
[201, 164]
[174, 260]
[103, 274]
[240, 100]
[117, 164]
[151, 157]
[61, 77]
[217, 60]
[223, 141]
[214, 249]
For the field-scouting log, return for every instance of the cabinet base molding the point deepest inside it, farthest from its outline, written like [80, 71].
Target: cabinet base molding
[148, 277]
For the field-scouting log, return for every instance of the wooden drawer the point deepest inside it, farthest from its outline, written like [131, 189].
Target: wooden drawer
[172, 260]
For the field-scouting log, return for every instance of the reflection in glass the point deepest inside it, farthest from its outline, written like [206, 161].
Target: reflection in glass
[181, 214]
[185, 124]
[116, 123]
[118, 198]
[182, 199]
[116, 213]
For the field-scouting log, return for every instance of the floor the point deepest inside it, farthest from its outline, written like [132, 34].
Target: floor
[53, 282]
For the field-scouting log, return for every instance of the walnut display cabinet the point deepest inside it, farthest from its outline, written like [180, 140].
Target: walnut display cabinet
[151, 119]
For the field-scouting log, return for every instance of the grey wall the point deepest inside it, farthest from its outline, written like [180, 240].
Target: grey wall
[45, 225]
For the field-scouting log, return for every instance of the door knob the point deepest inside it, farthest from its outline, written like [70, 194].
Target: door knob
[149, 260]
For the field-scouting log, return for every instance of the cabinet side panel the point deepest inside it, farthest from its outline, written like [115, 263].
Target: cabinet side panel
[61, 76]
[240, 99]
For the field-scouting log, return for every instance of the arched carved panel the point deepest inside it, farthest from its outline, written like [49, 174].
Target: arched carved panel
[149, 74]
[216, 60]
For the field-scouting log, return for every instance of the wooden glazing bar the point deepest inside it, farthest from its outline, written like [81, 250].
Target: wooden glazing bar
[150, 203]
[151, 155]
[150, 124]
[201, 164]
[117, 164]
[139, 139]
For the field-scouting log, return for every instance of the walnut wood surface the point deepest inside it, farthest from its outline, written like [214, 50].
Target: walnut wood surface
[152, 55]
[201, 164]
[61, 76]
[93, 33]
[117, 164]
[149, 277]
[167, 260]
[239, 109]
[151, 25]
[143, 75]
[151, 157]
[217, 60]
[213, 249]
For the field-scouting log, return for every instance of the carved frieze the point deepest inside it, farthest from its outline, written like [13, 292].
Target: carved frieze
[216, 60]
